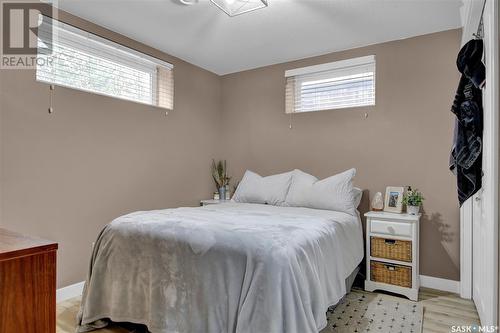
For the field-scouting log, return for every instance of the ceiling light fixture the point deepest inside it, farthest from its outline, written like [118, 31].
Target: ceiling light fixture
[237, 7]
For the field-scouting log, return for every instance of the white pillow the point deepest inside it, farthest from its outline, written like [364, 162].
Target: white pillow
[357, 194]
[333, 193]
[271, 190]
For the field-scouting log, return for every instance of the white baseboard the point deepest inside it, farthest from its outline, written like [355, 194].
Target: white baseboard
[451, 286]
[70, 291]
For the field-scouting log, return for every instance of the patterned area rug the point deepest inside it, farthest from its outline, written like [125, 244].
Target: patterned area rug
[370, 312]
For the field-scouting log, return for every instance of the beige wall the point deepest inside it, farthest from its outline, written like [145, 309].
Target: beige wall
[67, 174]
[404, 141]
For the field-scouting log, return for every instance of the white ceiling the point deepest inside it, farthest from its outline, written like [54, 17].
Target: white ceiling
[287, 30]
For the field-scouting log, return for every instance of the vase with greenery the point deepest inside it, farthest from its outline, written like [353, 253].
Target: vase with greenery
[221, 179]
[413, 200]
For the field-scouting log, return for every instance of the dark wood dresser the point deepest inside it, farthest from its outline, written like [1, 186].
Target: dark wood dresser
[27, 284]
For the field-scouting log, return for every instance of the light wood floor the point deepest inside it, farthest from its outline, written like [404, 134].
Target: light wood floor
[441, 311]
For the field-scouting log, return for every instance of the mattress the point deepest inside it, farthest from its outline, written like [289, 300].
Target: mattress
[221, 268]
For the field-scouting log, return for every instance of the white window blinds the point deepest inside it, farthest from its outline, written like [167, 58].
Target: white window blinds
[336, 85]
[85, 61]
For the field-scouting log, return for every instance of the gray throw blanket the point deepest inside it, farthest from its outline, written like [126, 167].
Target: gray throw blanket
[243, 268]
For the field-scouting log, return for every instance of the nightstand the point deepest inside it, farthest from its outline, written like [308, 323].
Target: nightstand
[212, 202]
[392, 253]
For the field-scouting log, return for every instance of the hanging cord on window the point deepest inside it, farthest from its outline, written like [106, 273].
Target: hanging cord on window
[480, 28]
[51, 97]
[290, 121]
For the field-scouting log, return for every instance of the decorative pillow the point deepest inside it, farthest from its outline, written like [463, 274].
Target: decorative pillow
[271, 190]
[357, 193]
[333, 193]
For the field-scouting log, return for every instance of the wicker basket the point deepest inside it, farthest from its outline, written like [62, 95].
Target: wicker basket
[391, 274]
[390, 249]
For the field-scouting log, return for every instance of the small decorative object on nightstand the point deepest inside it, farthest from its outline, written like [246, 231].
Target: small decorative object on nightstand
[413, 200]
[394, 199]
[220, 177]
[392, 253]
[378, 202]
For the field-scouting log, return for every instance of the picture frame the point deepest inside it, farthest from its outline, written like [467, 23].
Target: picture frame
[394, 199]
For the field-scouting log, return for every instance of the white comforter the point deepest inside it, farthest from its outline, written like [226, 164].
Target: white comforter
[243, 268]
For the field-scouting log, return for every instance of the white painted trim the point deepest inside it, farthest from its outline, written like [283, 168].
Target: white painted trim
[366, 60]
[70, 291]
[466, 250]
[431, 282]
[470, 15]
[485, 282]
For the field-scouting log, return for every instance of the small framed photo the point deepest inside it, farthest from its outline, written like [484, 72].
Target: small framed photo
[394, 199]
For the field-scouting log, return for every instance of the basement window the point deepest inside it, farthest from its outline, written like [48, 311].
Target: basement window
[84, 61]
[336, 85]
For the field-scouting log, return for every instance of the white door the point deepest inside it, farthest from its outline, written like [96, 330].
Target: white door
[483, 280]
[485, 202]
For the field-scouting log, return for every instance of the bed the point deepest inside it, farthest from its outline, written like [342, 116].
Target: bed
[230, 267]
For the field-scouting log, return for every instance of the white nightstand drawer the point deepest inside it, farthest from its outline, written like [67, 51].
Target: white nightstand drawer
[391, 228]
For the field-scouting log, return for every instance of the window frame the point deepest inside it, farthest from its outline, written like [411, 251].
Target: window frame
[124, 57]
[321, 72]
